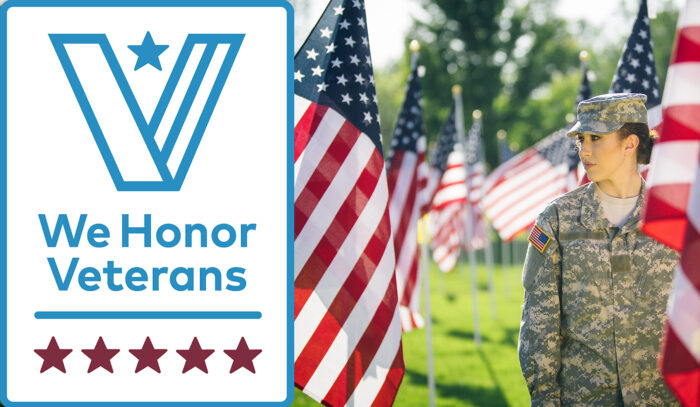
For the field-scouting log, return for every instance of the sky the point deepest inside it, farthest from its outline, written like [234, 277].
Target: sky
[389, 21]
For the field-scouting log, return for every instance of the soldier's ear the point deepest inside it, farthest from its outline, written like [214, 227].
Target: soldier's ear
[630, 144]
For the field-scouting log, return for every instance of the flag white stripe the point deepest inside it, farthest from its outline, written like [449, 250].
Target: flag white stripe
[300, 106]
[457, 174]
[306, 164]
[328, 370]
[453, 192]
[690, 15]
[694, 202]
[674, 162]
[340, 268]
[682, 86]
[523, 220]
[406, 318]
[373, 379]
[685, 324]
[325, 211]
[655, 115]
[404, 261]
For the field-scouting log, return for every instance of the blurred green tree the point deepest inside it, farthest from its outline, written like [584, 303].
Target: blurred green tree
[517, 62]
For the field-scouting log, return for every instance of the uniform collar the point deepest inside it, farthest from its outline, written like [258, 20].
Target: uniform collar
[593, 217]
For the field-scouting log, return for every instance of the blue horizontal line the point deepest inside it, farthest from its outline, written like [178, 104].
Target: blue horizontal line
[148, 315]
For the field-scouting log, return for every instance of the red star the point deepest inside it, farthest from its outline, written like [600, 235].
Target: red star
[195, 356]
[242, 356]
[147, 356]
[100, 356]
[53, 356]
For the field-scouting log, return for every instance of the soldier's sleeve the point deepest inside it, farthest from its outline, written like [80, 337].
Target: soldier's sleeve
[539, 346]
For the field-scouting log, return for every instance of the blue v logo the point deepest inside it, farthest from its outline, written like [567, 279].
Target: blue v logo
[141, 154]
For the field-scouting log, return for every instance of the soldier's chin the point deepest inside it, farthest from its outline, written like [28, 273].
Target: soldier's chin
[592, 176]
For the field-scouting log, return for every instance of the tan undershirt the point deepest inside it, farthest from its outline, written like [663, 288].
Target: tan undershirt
[617, 210]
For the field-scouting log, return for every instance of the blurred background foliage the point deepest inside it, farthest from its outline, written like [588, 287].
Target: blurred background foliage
[516, 61]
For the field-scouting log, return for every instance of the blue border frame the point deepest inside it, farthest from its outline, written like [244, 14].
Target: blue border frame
[290, 186]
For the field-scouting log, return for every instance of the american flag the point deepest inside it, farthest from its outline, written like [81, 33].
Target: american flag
[519, 189]
[475, 182]
[679, 149]
[672, 168]
[347, 330]
[636, 70]
[636, 73]
[446, 217]
[407, 173]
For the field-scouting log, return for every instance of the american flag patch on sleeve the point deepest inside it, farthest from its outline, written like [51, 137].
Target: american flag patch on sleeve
[538, 238]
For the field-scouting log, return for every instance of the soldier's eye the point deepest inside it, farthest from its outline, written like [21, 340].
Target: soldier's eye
[595, 138]
[579, 139]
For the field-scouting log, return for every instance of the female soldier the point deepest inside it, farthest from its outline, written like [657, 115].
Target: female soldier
[595, 286]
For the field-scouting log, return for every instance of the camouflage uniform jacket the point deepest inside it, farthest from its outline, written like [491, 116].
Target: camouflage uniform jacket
[595, 304]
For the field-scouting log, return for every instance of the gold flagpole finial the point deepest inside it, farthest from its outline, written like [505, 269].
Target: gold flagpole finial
[501, 134]
[476, 114]
[583, 56]
[456, 90]
[414, 46]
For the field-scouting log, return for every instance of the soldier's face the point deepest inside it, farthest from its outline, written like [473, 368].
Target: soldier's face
[602, 156]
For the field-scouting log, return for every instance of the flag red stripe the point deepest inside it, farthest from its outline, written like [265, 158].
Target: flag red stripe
[332, 240]
[395, 171]
[690, 260]
[450, 184]
[343, 304]
[410, 281]
[450, 252]
[323, 175]
[407, 216]
[445, 204]
[680, 369]
[365, 350]
[387, 394]
[665, 213]
[680, 123]
[306, 127]
[688, 45]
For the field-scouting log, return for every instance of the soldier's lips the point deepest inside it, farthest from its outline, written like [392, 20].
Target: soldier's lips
[588, 165]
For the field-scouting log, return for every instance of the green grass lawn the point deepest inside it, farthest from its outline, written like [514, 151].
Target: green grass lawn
[465, 375]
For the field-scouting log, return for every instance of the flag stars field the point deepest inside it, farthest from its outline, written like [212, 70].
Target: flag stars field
[326, 33]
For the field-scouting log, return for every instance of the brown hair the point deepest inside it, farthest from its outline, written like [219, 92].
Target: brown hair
[646, 139]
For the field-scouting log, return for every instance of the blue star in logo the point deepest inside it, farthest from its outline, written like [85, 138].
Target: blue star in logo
[148, 52]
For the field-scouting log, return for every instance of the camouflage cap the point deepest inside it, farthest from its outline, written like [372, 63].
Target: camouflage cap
[605, 114]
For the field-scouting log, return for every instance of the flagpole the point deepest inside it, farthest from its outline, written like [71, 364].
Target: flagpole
[459, 121]
[488, 250]
[489, 264]
[505, 264]
[428, 316]
[584, 57]
[414, 47]
[505, 246]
